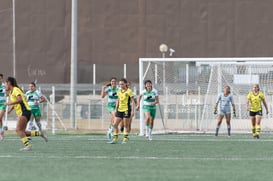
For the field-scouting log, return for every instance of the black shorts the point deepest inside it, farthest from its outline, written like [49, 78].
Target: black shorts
[27, 114]
[258, 113]
[126, 114]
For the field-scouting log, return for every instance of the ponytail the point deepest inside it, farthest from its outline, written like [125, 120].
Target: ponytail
[13, 82]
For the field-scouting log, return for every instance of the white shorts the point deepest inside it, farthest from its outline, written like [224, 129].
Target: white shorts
[224, 111]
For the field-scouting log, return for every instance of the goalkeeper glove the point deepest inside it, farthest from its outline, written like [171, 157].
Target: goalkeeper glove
[234, 114]
[215, 111]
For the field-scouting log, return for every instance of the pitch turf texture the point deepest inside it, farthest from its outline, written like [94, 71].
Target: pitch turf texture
[167, 157]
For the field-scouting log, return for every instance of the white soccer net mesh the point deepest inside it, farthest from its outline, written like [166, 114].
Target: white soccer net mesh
[188, 90]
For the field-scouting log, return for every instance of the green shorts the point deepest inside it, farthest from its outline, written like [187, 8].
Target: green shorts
[36, 113]
[150, 109]
[111, 107]
[2, 106]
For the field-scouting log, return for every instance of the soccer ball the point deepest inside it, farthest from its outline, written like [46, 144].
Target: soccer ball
[163, 48]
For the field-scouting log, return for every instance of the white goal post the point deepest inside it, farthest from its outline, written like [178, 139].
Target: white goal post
[188, 88]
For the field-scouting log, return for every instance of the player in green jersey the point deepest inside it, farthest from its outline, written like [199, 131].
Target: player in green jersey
[2, 105]
[34, 98]
[111, 90]
[150, 99]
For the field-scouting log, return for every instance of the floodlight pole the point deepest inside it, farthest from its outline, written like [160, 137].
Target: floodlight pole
[164, 86]
[125, 71]
[74, 54]
[94, 79]
[13, 40]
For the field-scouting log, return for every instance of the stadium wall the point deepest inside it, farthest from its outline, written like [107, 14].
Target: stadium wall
[112, 33]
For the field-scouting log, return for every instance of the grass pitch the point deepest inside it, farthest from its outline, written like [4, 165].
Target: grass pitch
[167, 157]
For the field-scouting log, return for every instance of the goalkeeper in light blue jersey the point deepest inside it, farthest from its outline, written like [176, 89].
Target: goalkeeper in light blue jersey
[34, 98]
[224, 101]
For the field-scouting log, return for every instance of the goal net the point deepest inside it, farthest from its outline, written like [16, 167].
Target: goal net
[188, 89]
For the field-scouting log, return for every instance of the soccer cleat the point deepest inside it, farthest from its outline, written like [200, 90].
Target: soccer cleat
[150, 138]
[147, 135]
[44, 136]
[2, 135]
[256, 136]
[109, 135]
[114, 141]
[26, 148]
[124, 141]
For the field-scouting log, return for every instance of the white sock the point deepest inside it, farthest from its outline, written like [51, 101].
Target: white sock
[150, 131]
[39, 125]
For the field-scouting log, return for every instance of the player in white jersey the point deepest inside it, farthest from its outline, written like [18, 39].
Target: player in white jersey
[34, 98]
[224, 101]
[150, 99]
[2, 105]
[111, 90]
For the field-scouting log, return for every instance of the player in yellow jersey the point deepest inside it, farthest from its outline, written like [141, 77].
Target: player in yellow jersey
[123, 110]
[23, 111]
[131, 118]
[254, 106]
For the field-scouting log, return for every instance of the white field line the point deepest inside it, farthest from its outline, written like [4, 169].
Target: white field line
[140, 158]
[179, 139]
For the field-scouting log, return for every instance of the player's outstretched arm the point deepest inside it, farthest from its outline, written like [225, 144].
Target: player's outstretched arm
[138, 102]
[215, 108]
[10, 110]
[103, 93]
[234, 110]
[265, 105]
[247, 105]
[42, 99]
[133, 106]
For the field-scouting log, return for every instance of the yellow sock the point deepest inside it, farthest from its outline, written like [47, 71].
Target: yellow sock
[253, 130]
[25, 141]
[115, 136]
[126, 134]
[258, 129]
[35, 133]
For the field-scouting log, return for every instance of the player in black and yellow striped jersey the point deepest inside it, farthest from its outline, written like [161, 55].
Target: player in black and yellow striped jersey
[131, 118]
[124, 110]
[23, 111]
[254, 100]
